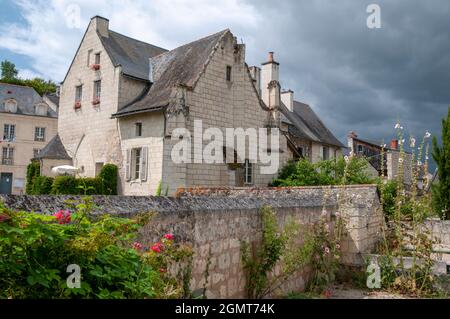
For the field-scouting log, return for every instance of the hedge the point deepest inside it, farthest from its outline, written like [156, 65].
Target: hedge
[42, 185]
[104, 184]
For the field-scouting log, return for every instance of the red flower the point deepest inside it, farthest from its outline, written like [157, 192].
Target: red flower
[95, 67]
[63, 216]
[137, 246]
[169, 236]
[157, 248]
[162, 270]
[77, 105]
[96, 101]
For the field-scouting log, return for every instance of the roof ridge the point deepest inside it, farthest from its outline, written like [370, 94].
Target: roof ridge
[19, 85]
[134, 39]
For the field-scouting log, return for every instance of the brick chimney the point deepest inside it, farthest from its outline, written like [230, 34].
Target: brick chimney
[101, 25]
[394, 144]
[287, 97]
[270, 79]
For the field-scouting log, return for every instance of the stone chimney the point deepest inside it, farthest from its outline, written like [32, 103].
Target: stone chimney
[287, 97]
[394, 144]
[270, 79]
[101, 25]
[351, 145]
[255, 73]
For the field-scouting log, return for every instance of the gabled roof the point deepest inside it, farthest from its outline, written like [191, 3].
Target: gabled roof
[131, 54]
[304, 123]
[53, 98]
[181, 66]
[54, 150]
[26, 97]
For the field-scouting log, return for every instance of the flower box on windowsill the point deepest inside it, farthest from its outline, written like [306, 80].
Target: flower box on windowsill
[77, 105]
[95, 67]
[96, 102]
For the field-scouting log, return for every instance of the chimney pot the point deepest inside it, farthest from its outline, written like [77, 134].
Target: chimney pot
[270, 56]
[394, 144]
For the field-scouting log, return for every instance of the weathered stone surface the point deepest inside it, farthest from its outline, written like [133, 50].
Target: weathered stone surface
[215, 223]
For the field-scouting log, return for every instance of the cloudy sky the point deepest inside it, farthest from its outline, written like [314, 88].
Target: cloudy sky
[354, 77]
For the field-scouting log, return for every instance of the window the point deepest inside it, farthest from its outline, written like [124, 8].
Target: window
[136, 164]
[11, 106]
[9, 132]
[78, 93]
[36, 152]
[97, 89]
[97, 58]
[39, 134]
[41, 109]
[325, 153]
[89, 58]
[8, 156]
[360, 149]
[248, 172]
[138, 129]
[228, 73]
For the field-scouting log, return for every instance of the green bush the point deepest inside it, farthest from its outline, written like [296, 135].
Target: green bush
[65, 185]
[108, 175]
[42, 185]
[36, 250]
[33, 171]
[90, 186]
[330, 172]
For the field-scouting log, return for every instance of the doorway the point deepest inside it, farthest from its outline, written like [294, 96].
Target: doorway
[6, 183]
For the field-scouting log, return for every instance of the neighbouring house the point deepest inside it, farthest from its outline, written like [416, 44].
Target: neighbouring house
[28, 123]
[52, 155]
[388, 166]
[122, 101]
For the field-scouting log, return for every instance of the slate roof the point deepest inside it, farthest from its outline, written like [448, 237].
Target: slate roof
[181, 66]
[53, 98]
[304, 123]
[54, 150]
[133, 55]
[26, 98]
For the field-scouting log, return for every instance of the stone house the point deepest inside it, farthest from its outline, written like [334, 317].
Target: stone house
[28, 123]
[388, 166]
[123, 101]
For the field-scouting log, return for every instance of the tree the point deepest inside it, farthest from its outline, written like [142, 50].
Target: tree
[441, 190]
[9, 71]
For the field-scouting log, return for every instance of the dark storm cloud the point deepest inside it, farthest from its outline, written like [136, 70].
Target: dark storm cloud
[358, 78]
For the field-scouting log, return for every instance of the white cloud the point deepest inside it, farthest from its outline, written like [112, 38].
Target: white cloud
[29, 74]
[50, 40]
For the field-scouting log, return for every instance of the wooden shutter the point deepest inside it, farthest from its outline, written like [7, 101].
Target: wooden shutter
[144, 160]
[128, 166]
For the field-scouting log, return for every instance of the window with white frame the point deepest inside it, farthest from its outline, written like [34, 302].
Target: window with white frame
[136, 164]
[248, 178]
[11, 106]
[9, 132]
[8, 156]
[78, 93]
[39, 134]
[97, 89]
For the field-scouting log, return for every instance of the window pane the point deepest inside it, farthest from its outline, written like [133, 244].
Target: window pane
[97, 58]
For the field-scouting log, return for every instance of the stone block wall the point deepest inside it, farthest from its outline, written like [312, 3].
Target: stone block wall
[215, 221]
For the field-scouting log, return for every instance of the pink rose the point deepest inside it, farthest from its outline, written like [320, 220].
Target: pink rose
[137, 246]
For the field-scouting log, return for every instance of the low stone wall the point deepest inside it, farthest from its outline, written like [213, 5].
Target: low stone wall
[216, 221]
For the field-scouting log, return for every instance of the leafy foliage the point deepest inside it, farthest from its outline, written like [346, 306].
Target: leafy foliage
[330, 172]
[108, 175]
[441, 191]
[42, 185]
[35, 251]
[33, 171]
[9, 71]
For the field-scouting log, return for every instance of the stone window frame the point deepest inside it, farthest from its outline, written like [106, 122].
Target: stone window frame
[78, 93]
[8, 155]
[39, 134]
[8, 107]
[9, 132]
[138, 129]
[229, 73]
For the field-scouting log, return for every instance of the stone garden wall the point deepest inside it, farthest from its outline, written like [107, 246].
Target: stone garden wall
[215, 221]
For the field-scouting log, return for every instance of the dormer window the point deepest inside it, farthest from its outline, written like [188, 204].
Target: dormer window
[41, 109]
[11, 106]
